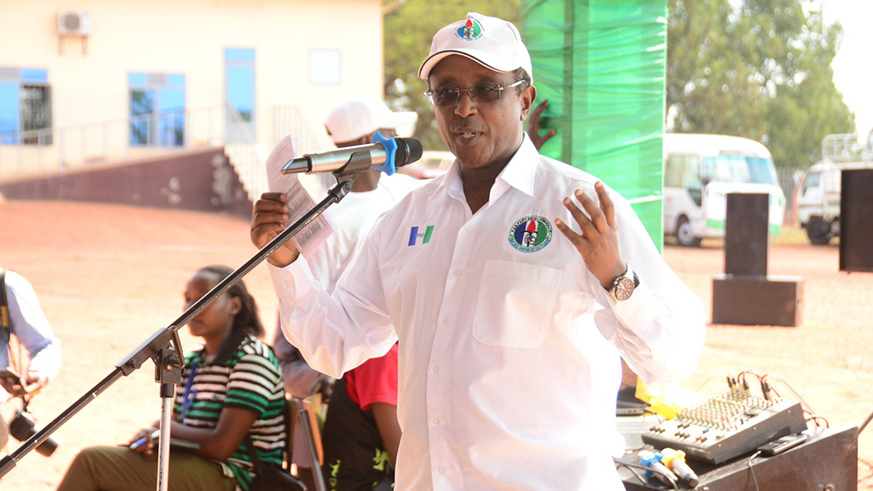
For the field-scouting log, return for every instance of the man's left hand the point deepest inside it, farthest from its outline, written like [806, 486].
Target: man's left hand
[598, 242]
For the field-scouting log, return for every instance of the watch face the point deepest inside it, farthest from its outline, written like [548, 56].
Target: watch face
[624, 288]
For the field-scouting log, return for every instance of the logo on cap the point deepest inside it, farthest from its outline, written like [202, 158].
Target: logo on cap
[470, 30]
[530, 234]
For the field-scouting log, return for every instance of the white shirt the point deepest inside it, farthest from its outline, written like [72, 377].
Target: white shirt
[30, 326]
[509, 360]
[352, 218]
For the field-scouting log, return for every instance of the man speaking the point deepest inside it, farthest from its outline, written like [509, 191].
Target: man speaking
[514, 284]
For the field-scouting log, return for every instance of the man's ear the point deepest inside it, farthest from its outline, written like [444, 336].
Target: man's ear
[528, 96]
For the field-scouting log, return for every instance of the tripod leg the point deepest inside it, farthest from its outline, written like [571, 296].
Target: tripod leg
[866, 422]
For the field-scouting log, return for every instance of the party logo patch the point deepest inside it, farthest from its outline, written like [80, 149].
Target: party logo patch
[530, 234]
[470, 30]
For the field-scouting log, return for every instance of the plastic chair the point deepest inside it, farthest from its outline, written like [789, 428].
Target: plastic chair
[290, 426]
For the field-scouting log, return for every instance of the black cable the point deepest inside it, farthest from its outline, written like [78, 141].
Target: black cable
[648, 469]
[640, 478]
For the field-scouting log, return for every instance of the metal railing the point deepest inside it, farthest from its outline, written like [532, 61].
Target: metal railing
[245, 157]
[289, 120]
[847, 147]
[123, 140]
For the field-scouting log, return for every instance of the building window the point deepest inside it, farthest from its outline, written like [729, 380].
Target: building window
[239, 83]
[25, 107]
[157, 109]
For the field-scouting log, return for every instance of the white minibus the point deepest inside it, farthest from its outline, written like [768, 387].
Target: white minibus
[700, 171]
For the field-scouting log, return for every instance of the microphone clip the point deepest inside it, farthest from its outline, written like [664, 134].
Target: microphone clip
[390, 145]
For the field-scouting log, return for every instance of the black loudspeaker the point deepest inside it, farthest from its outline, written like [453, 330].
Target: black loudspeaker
[856, 220]
[746, 241]
[757, 300]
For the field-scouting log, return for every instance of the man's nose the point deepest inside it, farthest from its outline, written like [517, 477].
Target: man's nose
[466, 104]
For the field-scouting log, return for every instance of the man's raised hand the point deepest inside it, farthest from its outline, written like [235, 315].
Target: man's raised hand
[269, 217]
[598, 242]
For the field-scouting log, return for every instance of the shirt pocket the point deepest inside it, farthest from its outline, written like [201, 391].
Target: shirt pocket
[515, 304]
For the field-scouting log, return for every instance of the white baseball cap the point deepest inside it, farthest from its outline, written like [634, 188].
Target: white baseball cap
[363, 115]
[492, 42]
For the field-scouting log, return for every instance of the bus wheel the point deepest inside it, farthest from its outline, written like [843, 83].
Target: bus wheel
[818, 231]
[684, 234]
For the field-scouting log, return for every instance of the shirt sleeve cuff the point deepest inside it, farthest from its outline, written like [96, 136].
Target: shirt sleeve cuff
[292, 281]
[638, 311]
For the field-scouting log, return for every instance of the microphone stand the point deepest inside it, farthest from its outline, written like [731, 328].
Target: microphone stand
[164, 346]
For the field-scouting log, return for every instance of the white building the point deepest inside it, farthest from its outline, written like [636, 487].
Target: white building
[107, 81]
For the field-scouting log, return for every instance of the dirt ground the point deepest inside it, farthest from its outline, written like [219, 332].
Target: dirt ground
[108, 276]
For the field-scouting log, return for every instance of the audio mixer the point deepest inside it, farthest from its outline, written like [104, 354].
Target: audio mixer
[726, 426]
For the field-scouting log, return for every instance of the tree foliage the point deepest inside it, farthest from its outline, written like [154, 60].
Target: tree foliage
[408, 34]
[756, 68]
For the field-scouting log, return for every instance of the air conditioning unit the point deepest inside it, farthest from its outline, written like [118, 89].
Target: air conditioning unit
[74, 23]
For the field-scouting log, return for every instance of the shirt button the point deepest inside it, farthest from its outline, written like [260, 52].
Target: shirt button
[436, 369]
[457, 273]
[436, 421]
[445, 320]
[441, 470]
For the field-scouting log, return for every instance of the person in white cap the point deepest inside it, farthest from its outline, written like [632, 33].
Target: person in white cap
[510, 350]
[353, 122]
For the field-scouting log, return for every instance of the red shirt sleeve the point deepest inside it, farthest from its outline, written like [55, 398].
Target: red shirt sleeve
[374, 381]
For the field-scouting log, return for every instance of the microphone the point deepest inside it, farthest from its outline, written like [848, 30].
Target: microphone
[675, 461]
[652, 462]
[386, 154]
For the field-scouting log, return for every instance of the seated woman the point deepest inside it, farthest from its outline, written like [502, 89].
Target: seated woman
[232, 389]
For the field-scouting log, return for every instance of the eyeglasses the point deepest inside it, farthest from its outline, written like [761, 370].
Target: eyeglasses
[449, 95]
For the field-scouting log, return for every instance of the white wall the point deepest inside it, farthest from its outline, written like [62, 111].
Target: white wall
[189, 36]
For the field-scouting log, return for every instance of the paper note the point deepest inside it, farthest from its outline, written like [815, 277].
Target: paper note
[299, 201]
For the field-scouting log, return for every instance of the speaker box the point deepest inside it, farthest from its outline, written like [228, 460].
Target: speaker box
[856, 220]
[746, 241]
[757, 301]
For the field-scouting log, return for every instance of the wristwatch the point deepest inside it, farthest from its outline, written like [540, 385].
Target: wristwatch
[623, 286]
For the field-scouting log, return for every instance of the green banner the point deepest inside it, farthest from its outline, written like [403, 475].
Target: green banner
[601, 65]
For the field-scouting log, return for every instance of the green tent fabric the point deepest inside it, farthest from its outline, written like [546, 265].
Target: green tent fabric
[601, 65]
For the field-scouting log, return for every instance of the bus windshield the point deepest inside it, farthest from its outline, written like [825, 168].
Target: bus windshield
[739, 168]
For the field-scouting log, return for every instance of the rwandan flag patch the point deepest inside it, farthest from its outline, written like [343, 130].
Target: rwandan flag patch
[530, 234]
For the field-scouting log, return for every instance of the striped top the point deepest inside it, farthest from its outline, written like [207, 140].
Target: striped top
[245, 374]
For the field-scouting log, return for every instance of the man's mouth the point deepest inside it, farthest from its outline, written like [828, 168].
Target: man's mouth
[466, 136]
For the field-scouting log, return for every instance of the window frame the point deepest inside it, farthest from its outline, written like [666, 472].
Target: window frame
[24, 79]
[166, 128]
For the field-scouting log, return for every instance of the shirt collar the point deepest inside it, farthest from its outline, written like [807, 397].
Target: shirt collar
[522, 167]
[450, 182]
[519, 173]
